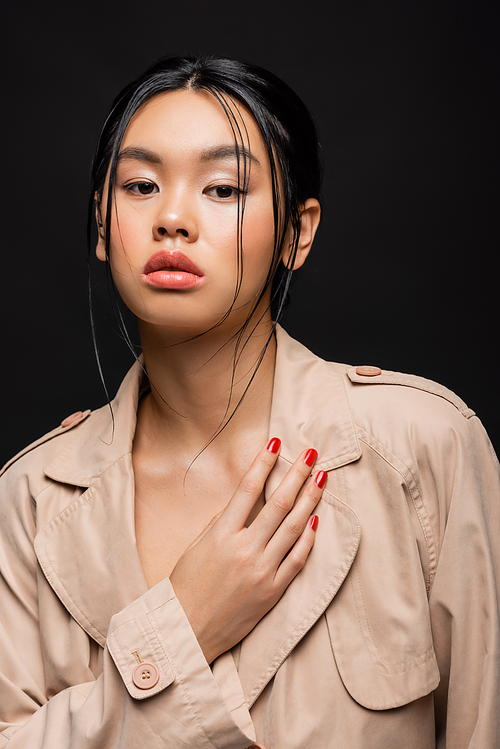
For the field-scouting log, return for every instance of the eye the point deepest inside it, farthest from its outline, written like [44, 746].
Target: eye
[223, 192]
[141, 188]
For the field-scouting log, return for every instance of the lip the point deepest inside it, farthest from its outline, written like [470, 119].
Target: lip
[172, 270]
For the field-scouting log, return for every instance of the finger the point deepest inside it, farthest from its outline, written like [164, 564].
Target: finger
[251, 486]
[284, 496]
[294, 524]
[296, 559]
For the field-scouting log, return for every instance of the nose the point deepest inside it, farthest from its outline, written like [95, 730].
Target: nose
[176, 218]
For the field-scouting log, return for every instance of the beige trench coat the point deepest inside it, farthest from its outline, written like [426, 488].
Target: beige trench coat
[393, 619]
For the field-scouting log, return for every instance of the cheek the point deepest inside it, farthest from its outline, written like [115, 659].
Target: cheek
[258, 237]
[126, 235]
[217, 226]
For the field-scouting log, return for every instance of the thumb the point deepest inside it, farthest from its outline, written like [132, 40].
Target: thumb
[205, 530]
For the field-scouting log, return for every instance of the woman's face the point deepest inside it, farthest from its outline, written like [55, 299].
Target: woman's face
[173, 248]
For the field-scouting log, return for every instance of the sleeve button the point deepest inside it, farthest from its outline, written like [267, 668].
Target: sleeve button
[366, 371]
[145, 676]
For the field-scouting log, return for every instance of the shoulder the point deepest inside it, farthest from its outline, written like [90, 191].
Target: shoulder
[23, 481]
[399, 386]
[398, 410]
[29, 463]
[393, 396]
[407, 412]
[80, 449]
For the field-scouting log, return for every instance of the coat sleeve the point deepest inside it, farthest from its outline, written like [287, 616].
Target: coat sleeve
[464, 602]
[182, 708]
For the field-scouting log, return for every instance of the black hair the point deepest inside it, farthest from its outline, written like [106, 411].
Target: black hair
[286, 127]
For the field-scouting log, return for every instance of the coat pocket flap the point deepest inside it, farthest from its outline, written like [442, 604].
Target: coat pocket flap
[384, 661]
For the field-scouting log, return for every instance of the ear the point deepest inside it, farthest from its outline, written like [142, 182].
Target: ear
[100, 249]
[310, 215]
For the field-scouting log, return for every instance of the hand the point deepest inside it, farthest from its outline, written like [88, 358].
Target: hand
[233, 575]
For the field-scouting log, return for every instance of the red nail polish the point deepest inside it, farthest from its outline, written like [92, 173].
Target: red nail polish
[320, 479]
[310, 457]
[274, 445]
[314, 522]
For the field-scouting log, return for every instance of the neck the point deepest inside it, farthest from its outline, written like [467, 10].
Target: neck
[199, 386]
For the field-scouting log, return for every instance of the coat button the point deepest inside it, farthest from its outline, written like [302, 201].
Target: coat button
[69, 420]
[368, 371]
[145, 676]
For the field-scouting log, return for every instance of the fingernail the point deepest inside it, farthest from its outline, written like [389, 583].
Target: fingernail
[274, 445]
[310, 457]
[320, 479]
[314, 522]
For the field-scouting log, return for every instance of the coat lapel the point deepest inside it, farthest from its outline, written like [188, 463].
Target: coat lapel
[88, 551]
[306, 598]
[310, 409]
[86, 546]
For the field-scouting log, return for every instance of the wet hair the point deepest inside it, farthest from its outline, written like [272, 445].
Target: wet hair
[286, 127]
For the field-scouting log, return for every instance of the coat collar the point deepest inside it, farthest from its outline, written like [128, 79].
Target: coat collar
[102, 439]
[310, 409]
[310, 406]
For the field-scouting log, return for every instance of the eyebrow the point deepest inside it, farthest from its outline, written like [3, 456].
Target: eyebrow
[222, 153]
[139, 154]
[216, 153]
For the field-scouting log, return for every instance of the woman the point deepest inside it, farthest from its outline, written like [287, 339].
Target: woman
[175, 575]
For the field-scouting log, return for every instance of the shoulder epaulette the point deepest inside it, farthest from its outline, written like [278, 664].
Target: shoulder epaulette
[369, 375]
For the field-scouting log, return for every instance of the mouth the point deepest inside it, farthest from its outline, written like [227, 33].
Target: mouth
[172, 270]
[171, 261]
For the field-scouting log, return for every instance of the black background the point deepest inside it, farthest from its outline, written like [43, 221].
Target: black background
[403, 274]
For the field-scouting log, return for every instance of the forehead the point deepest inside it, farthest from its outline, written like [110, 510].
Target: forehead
[192, 120]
